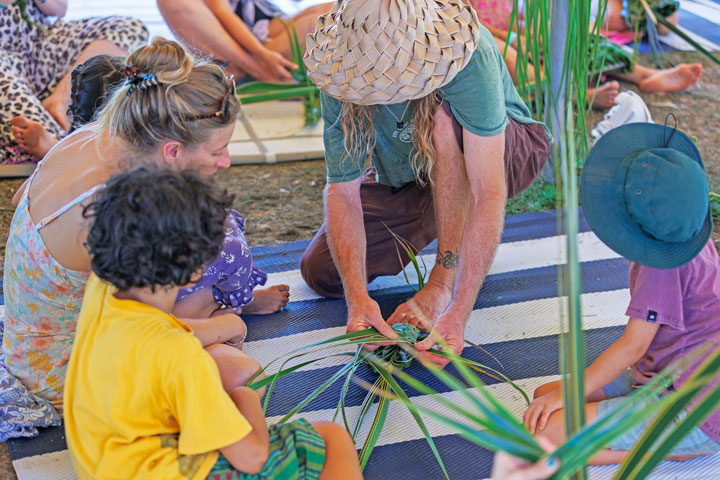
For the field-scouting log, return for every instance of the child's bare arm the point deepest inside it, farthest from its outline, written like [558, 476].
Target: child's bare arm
[273, 63]
[626, 351]
[218, 329]
[249, 454]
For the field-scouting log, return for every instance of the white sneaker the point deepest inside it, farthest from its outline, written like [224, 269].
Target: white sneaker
[629, 108]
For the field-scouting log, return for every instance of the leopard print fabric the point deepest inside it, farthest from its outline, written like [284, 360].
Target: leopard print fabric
[32, 62]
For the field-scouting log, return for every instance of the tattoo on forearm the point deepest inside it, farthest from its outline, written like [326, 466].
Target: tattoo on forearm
[448, 259]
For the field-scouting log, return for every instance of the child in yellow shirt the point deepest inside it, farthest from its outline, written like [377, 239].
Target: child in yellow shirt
[143, 399]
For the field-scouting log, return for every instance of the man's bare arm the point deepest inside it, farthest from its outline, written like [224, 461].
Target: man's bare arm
[347, 242]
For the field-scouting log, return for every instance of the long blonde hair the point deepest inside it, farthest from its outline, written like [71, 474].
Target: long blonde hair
[360, 135]
[188, 88]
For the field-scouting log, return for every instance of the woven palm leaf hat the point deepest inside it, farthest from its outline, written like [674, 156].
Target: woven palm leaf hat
[389, 51]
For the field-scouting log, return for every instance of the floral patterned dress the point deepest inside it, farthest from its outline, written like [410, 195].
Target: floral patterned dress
[42, 303]
[43, 298]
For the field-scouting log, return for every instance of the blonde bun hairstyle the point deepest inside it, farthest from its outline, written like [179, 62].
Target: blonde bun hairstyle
[187, 90]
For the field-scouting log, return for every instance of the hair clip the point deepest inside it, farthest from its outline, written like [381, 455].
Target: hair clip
[131, 73]
[133, 78]
[149, 80]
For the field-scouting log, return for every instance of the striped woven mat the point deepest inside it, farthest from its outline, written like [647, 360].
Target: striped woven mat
[515, 318]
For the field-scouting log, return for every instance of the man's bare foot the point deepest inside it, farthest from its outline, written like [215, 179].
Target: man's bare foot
[673, 79]
[32, 136]
[58, 110]
[604, 95]
[268, 300]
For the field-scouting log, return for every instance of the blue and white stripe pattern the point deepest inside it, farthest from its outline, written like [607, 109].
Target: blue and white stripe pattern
[515, 318]
[700, 20]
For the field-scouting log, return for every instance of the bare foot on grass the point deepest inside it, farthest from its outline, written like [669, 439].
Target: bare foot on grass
[268, 300]
[604, 95]
[32, 137]
[673, 79]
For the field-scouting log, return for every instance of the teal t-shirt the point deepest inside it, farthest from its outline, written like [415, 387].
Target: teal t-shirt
[482, 97]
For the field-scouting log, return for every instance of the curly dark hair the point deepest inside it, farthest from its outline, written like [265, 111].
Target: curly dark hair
[91, 85]
[155, 227]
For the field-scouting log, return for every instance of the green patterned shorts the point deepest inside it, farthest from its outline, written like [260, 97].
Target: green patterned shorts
[297, 452]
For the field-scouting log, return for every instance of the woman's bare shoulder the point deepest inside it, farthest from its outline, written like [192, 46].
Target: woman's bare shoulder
[76, 164]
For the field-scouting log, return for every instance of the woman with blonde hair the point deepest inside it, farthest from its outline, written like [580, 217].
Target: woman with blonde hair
[419, 88]
[171, 111]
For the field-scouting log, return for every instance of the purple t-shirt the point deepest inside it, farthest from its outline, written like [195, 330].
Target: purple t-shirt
[685, 302]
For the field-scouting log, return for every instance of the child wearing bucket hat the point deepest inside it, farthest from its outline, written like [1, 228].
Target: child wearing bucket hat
[645, 194]
[418, 88]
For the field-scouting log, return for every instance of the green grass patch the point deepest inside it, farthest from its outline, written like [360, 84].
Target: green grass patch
[541, 195]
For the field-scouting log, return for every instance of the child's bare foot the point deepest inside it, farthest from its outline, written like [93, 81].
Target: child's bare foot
[268, 300]
[604, 95]
[32, 136]
[58, 110]
[673, 79]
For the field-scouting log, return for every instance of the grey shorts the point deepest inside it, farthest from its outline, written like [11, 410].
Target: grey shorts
[695, 443]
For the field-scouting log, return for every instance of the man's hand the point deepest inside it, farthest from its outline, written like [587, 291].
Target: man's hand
[537, 414]
[424, 308]
[365, 313]
[451, 330]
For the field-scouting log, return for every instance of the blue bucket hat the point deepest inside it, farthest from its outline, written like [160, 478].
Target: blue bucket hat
[645, 195]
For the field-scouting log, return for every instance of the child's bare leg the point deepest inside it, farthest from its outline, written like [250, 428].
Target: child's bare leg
[554, 431]
[236, 368]
[341, 460]
[304, 22]
[268, 300]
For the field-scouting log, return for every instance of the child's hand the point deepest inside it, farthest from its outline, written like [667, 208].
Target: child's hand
[537, 414]
[275, 67]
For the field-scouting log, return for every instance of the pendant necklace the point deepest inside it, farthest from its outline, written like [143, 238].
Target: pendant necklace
[400, 124]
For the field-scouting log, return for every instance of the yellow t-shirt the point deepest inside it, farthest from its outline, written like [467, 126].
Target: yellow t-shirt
[143, 399]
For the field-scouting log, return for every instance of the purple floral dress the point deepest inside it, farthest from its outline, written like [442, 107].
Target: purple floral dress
[232, 275]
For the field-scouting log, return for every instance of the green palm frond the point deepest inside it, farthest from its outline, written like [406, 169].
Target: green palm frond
[386, 361]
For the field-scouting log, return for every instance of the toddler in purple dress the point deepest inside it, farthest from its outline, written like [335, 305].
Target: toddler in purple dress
[232, 277]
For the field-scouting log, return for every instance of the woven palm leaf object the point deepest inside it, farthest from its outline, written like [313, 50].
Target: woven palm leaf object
[389, 51]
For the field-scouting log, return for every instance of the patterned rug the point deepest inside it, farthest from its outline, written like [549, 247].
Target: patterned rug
[515, 318]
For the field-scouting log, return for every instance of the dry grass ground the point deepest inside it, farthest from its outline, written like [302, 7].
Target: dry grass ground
[283, 202]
